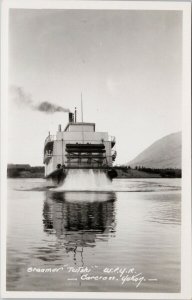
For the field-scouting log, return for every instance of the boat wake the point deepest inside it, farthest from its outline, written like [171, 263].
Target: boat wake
[97, 181]
[86, 180]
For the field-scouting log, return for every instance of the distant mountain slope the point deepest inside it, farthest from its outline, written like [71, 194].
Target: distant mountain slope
[164, 153]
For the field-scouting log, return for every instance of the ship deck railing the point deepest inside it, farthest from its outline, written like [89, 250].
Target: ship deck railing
[112, 139]
[47, 157]
[51, 138]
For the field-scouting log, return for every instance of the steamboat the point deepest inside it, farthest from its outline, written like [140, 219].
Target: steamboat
[78, 146]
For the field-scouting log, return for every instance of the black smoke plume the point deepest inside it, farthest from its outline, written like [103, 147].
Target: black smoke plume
[50, 108]
[22, 99]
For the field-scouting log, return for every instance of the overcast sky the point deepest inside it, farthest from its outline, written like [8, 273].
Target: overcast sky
[126, 63]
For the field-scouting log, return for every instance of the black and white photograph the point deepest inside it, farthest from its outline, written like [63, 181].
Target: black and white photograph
[95, 142]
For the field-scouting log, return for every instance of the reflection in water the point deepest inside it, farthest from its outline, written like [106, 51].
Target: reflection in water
[79, 219]
[79, 229]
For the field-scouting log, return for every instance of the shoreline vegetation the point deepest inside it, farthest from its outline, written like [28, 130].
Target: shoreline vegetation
[143, 172]
[27, 171]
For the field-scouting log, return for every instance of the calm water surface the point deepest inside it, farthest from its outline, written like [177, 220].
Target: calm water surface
[126, 239]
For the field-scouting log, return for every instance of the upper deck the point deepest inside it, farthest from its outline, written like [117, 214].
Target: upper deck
[80, 126]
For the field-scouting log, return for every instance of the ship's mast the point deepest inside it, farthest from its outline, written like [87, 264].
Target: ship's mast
[82, 117]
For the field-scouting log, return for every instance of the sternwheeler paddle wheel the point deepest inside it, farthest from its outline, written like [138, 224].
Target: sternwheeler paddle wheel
[86, 155]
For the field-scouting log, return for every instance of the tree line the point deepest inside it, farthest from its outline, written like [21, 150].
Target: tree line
[163, 172]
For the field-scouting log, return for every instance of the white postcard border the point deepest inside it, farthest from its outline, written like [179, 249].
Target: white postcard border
[185, 7]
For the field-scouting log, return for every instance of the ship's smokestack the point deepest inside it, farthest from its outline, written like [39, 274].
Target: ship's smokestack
[75, 114]
[59, 128]
[71, 117]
